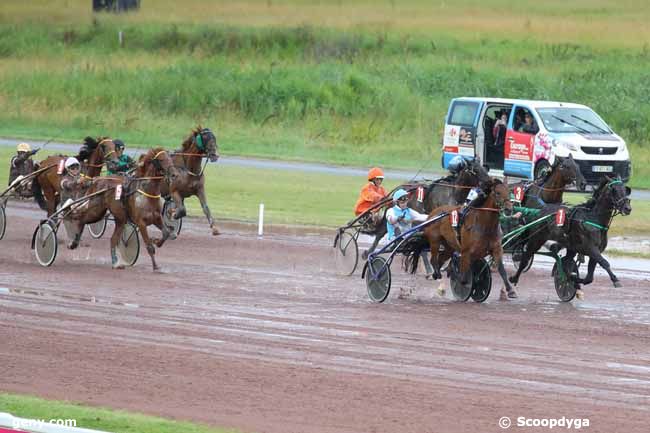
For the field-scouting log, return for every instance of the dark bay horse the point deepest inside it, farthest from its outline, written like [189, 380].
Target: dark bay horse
[480, 236]
[425, 197]
[585, 229]
[191, 180]
[46, 187]
[139, 202]
[550, 189]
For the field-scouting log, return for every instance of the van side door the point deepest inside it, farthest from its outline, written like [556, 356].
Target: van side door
[460, 129]
[519, 145]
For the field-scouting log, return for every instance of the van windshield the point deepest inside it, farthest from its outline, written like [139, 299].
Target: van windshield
[566, 120]
[463, 113]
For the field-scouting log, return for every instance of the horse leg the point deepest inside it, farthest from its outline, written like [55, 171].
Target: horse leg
[434, 244]
[76, 228]
[602, 261]
[497, 254]
[166, 233]
[179, 205]
[206, 210]
[117, 234]
[149, 243]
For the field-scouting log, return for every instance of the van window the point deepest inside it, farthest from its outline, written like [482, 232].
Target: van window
[463, 113]
[564, 119]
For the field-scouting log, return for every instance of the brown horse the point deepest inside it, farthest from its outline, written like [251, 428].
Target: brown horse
[480, 236]
[139, 202]
[190, 180]
[47, 185]
[550, 189]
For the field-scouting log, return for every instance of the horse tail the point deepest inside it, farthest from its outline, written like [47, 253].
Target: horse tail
[412, 250]
[37, 191]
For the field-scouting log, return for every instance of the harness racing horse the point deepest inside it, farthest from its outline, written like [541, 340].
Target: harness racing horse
[550, 189]
[139, 202]
[447, 190]
[585, 229]
[478, 237]
[190, 180]
[46, 187]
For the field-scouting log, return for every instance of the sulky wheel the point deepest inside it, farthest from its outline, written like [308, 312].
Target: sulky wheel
[129, 244]
[461, 292]
[346, 253]
[565, 285]
[45, 244]
[481, 280]
[517, 254]
[98, 228]
[378, 279]
[168, 218]
[3, 221]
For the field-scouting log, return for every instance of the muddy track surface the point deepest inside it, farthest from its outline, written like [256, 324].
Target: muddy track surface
[264, 336]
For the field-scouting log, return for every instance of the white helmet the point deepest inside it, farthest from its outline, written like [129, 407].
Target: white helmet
[24, 147]
[70, 162]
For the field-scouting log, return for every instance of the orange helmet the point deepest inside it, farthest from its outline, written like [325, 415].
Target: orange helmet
[375, 172]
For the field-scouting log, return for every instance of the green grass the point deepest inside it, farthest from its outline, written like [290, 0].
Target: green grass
[95, 418]
[355, 82]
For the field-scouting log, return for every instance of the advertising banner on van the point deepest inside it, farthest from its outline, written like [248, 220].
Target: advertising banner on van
[459, 139]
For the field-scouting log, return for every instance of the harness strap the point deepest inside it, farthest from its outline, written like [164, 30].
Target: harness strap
[147, 194]
[598, 226]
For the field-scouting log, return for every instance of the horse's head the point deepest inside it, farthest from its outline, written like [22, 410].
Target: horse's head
[98, 150]
[496, 189]
[570, 172]
[614, 190]
[157, 162]
[206, 142]
[475, 172]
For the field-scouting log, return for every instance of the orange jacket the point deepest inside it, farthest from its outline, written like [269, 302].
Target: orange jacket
[370, 194]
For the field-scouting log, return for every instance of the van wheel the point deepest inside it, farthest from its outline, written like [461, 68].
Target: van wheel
[542, 166]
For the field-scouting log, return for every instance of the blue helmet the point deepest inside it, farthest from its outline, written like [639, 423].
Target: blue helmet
[456, 164]
[399, 194]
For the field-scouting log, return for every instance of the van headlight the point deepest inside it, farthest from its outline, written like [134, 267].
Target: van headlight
[622, 148]
[569, 146]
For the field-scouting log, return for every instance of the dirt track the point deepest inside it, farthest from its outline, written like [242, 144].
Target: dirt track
[262, 335]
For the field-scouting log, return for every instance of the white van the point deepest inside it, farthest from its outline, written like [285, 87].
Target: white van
[531, 135]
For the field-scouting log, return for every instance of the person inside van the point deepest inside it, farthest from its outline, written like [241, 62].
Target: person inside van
[499, 130]
[529, 126]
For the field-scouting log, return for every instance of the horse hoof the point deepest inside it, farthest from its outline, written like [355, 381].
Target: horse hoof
[580, 295]
[72, 245]
[364, 255]
[118, 266]
[503, 296]
[512, 294]
[618, 284]
[215, 232]
[513, 280]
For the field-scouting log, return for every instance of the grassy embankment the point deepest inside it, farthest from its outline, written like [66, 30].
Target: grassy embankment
[98, 419]
[350, 82]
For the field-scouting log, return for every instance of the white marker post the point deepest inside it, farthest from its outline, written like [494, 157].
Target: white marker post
[260, 224]
[120, 38]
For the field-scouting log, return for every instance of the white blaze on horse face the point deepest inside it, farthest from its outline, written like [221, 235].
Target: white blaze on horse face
[118, 192]
[59, 169]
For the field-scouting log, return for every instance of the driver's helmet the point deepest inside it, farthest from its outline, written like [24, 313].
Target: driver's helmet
[375, 172]
[23, 147]
[119, 144]
[456, 164]
[399, 194]
[70, 162]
